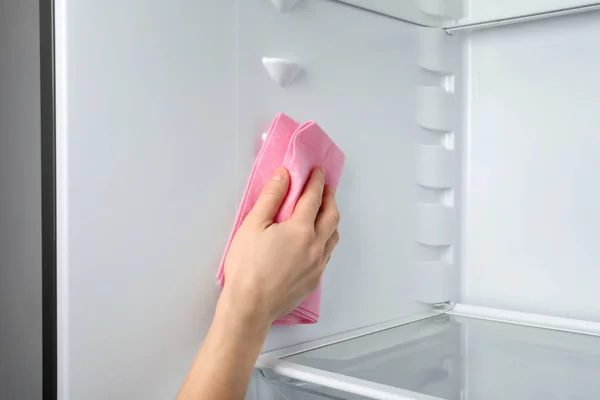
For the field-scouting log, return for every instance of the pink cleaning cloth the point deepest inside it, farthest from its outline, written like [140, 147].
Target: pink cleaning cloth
[300, 149]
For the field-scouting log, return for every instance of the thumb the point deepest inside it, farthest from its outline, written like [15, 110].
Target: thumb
[271, 197]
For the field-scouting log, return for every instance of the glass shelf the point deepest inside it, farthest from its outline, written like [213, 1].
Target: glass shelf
[457, 358]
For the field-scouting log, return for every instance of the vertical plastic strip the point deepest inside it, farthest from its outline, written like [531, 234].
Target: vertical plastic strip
[436, 167]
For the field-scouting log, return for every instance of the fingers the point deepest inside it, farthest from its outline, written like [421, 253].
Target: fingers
[330, 245]
[271, 197]
[329, 216]
[309, 203]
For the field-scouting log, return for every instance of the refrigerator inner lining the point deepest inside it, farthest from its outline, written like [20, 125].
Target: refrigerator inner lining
[506, 218]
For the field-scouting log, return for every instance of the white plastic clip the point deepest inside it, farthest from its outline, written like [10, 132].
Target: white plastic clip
[284, 5]
[281, 70]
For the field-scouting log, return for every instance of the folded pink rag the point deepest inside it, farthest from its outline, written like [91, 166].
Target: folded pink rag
[300, 149]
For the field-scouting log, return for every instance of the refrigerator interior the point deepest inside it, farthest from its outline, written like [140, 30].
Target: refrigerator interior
[527, 222]
[529, 218]
[469, 175]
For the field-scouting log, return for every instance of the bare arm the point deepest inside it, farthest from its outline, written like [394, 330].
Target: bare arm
[224, 363]
[270, 269]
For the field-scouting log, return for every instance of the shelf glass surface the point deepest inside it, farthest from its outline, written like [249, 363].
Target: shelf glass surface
[459, 358]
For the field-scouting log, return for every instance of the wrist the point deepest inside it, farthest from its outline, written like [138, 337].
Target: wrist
[236, 308]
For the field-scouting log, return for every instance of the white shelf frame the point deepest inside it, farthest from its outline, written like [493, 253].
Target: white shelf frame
[521, 18]
[414, 12]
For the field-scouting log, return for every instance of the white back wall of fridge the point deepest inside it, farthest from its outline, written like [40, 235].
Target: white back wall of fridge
[531, 218]
[160, 108]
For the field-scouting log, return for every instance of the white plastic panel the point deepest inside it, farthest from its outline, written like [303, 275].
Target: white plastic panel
[531, 217]
[159, 118]
[360, 85]
[154, 148]
[147, 188]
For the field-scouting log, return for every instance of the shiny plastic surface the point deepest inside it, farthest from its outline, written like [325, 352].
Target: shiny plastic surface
[456, 357]
[292, 389]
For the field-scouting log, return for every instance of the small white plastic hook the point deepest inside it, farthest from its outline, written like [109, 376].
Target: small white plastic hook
[284, 5]
[281, 70]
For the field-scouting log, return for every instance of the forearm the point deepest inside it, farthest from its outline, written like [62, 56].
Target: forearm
[224, 364]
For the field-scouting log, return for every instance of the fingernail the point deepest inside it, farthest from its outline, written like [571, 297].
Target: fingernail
[279, 174]
[322, 171]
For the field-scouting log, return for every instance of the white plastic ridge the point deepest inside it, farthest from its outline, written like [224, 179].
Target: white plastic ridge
[343, 383]
[527, 319]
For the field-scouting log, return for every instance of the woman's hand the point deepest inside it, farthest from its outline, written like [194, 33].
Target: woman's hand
[271, 267]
